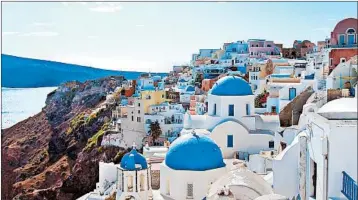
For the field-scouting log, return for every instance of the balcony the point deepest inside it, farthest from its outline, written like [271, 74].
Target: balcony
[343, 46]
[349, 187]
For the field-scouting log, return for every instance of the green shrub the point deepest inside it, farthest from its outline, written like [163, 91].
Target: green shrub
[94, 139]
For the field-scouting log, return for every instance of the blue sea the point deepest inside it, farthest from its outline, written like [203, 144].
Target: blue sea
[20, 103]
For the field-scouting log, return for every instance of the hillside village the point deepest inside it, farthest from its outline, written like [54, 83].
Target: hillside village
[248, 120]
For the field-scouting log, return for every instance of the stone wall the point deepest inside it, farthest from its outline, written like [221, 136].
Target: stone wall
[333, 94]
[290, 115]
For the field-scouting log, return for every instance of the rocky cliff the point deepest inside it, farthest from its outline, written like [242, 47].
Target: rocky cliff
[55, 154]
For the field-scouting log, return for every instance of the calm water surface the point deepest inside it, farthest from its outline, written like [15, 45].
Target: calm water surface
[20, 103]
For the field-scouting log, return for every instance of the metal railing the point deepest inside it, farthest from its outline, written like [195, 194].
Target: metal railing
[349, 187]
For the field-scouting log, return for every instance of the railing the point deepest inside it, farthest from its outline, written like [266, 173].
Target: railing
[349, 187]
[343, 46]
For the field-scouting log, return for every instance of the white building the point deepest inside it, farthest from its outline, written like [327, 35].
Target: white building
[132, 124]
[129, 179]
[284, 91]
[169, 116]
[186, 94]
[323, 156]
[192, 163]
[344, 72]
[231, 121]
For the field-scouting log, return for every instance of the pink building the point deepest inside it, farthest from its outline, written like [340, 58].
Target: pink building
[262, 48]
[344, 34]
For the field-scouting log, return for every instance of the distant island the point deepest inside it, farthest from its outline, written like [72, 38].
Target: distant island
[19, 72]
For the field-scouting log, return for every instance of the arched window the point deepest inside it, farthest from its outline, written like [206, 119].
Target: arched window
[351, 31]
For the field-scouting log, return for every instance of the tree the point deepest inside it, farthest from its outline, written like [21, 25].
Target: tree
[155, 131]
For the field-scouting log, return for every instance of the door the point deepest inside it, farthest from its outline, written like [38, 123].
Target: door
[292, 93]
[350, 39]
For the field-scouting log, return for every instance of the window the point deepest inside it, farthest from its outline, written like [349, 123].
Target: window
[138, 119]
[162, 95]
[247, 109]
[214, 109]
[271, 144]
[141, 182]
[168, 187]
[342, 39]
[343, 60]
[138, 104]
[230, 141]
[130, 183]
[190, 191]
[331, 61]
[231, 110]
[269, 45]
[138, 111]
[351, 31]
[132, 118]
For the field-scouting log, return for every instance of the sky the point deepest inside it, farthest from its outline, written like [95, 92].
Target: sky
[154, 36]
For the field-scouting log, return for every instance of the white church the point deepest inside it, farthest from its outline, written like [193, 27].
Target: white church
[231, 121]
[131, 179]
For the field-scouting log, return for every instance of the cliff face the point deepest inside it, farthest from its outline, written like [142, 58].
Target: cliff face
[55, 154]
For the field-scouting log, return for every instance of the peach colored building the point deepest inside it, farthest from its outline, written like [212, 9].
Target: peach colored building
[207, 84]
[343, 42]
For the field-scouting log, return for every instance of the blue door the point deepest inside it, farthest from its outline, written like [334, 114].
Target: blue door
[292, 93]
[341, 39]
[230, 141]
[350, 39]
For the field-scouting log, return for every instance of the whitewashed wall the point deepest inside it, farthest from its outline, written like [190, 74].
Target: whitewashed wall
[242, 140]
[178, 180]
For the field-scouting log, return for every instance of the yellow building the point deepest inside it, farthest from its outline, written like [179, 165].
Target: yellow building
[152, 97]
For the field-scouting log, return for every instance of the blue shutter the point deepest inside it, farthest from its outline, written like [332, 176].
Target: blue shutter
[341, 39]
[230, 141]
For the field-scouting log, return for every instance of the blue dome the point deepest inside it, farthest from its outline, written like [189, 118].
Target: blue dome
[231, 86]
[148, 88]
[133, 158]
[190, 88]
[194, 153]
